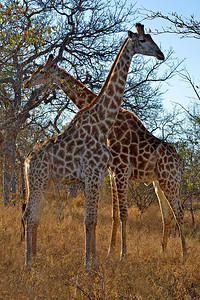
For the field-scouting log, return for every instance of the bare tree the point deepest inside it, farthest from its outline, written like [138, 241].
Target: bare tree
[31, 29]
[185, 28]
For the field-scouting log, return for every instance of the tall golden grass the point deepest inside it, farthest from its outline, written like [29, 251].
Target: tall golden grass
[58, 269]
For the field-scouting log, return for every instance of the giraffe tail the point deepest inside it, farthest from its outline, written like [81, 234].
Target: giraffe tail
[23, 223]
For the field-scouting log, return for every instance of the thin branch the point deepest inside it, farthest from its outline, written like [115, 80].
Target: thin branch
[186, 27]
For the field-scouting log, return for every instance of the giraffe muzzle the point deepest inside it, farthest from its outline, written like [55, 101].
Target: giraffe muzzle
[160, 56]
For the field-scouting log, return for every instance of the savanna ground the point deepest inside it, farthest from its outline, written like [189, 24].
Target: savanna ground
[58, 269]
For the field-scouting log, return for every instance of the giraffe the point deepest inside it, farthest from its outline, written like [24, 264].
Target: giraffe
[48, 155]
[136, 154]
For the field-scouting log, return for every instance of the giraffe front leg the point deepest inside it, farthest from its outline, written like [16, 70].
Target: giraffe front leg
[92, 191]
[90, 253]
[93, 246]
[88, 233]
[124, 247]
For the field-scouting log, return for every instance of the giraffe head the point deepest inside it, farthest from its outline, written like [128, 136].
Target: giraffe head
[144, 44]
[43, 75]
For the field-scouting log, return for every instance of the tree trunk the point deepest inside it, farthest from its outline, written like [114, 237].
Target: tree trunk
[22, 183]
[192, 215]
[9, 186]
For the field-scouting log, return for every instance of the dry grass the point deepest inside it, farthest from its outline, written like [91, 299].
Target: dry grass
[58, 270]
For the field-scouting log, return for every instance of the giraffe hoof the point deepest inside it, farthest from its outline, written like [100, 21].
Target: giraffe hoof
[92, 268]
[162, 252]
[94, 262]
[110, 251]
[123, 256]
[88, 265]
[185, 255]
[28, 266]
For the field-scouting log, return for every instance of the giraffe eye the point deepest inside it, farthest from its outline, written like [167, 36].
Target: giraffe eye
[142, 40]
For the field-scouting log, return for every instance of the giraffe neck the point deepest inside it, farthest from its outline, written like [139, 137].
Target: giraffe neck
[80, 95]
[105, 107]
[111, 94]
[112, 88]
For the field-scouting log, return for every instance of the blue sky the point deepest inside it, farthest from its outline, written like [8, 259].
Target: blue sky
[187, 48]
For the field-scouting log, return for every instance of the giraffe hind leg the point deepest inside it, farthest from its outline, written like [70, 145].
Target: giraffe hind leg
[179, 217]
[92, 192]
[176, 207]
[46, 194]
[178, 211]
[33, 212]
[115, 211]
[166, 213]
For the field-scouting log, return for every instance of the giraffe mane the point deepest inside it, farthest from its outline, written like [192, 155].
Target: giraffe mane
[79, 82]
[105, 85]
[130, 112]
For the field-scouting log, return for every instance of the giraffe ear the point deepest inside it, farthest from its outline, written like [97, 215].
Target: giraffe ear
[131, 34]
[51, 56]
